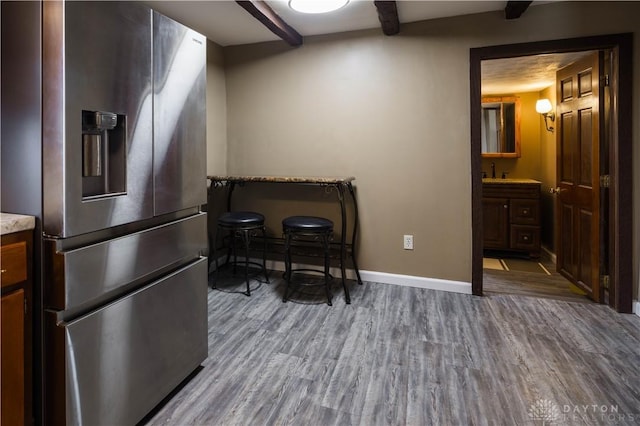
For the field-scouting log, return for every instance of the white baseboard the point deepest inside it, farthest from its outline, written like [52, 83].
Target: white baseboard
[419, 282]
[380, 277]
[636, 307]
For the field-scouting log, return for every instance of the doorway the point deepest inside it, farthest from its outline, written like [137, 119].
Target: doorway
[617, 262]
[530, 267]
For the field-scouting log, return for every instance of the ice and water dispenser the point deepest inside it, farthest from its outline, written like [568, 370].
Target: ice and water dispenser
[103, 154]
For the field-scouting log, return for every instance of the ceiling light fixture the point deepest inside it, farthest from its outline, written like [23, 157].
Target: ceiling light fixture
[543, 106]
[316, 6]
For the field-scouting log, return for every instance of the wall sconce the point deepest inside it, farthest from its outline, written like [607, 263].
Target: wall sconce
[543, 106]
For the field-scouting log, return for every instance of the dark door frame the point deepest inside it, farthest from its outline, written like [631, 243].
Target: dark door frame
[620, 160]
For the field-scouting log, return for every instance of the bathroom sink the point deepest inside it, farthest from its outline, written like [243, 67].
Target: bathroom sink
[509, 180]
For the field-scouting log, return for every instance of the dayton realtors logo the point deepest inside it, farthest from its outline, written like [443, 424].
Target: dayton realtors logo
[547, 412]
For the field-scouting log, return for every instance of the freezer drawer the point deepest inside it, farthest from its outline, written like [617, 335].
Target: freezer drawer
[122, 360]
[89, 275]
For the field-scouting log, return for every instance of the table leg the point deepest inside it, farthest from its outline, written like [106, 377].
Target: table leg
[232, 186]
[355, 231]
[210, 240]
[343, 242]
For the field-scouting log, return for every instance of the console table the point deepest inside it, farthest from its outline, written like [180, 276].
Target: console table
[339, 184]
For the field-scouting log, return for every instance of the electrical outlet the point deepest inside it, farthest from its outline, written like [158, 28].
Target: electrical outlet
[408, 242]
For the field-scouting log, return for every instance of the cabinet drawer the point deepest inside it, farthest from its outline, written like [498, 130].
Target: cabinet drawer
[13, 358]
[509, 190]
[524, 212]
[14, 263]
[525, 237]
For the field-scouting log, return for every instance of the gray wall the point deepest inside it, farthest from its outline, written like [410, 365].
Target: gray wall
[216, 111]
[394, 113]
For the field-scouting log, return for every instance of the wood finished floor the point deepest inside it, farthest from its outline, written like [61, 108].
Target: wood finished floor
[406, 356]
[537, 284]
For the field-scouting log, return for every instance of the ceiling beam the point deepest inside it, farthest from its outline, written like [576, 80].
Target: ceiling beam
[515, 9]
[267, 17]
[388, 16]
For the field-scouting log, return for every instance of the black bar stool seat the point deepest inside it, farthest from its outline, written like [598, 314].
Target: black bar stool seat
[318, 228]
[239, 219]
[310, 224]
[243, 224]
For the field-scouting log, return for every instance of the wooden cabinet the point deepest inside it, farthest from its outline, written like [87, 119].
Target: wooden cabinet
[511, 216]
[15, 282]
[495, 220]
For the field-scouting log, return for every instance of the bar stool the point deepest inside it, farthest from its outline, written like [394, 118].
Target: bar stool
[309, 227]
[243, 225]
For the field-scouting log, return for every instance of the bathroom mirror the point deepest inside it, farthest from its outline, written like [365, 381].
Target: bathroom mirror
[500, 127]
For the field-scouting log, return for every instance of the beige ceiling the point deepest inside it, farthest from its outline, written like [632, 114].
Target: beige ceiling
[226, 23]
[525, 73]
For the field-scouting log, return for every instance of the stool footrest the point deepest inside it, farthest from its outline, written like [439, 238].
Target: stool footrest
[314, 271]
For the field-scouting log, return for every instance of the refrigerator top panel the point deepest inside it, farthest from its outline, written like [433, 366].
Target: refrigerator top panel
[97, 116]
[179, 90]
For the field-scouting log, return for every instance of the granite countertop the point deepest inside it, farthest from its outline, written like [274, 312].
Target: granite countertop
[11, 223]
[283, 179]
[509, 180]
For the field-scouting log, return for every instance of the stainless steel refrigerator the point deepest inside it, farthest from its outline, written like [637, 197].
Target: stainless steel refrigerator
[119, 180]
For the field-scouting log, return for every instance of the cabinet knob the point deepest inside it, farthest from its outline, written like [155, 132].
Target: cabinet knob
[525, 211]
[505, 206]
[525, 238]
[3, 271]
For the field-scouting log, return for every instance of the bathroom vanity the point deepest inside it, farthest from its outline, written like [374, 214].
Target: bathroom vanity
[511, 215]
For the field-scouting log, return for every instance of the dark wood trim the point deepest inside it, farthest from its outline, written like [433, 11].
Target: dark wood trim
[621, 164]
[622, 191]
[515, 9]
[388, 16]
[476, 174]
[609, 115]
[267, 17]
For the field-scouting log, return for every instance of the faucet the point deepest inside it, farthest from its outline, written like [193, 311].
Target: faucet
[493, 170]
